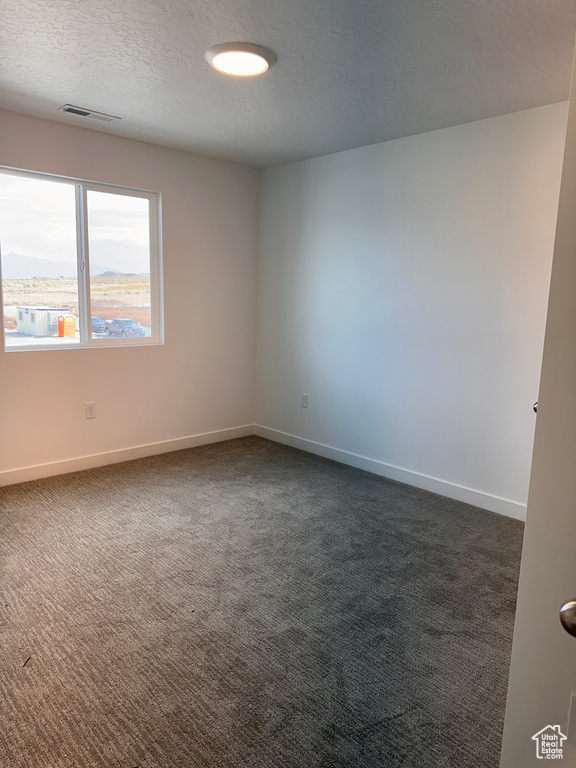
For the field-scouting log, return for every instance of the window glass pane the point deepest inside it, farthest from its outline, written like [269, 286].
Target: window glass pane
[119, 254]
[39, 264]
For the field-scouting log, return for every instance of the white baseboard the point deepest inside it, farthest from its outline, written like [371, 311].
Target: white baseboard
[478, 498]
[444, 488]
[22, 475]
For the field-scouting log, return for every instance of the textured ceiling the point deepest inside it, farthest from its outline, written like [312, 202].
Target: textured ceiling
[349, 72]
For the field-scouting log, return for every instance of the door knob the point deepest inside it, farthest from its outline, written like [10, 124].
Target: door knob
[568, 617]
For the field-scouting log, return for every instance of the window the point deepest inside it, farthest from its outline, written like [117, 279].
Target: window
[79, 262]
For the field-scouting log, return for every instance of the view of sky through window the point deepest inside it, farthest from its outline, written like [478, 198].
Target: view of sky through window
[119, 246]
[38, 241]
[119, 232]
[41, 288]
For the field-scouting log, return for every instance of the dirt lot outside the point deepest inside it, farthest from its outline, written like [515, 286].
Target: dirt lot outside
[111, 297]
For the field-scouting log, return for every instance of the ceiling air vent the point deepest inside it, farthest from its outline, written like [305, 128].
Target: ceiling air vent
[89, 113]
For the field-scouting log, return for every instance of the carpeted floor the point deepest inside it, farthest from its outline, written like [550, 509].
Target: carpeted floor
[247, 605]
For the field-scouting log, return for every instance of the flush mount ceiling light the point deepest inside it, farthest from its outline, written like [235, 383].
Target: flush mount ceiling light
[240, 59]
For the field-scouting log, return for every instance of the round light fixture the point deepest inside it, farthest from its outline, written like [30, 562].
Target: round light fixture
[240, 59]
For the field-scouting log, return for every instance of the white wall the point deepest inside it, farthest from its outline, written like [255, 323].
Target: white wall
[403, 286]
[202, 379]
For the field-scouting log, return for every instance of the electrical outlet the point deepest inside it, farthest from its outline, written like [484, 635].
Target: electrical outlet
[90, 411]
[303, 400]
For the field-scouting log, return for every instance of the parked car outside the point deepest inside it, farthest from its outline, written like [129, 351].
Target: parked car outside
[97, 325]
[124, 327]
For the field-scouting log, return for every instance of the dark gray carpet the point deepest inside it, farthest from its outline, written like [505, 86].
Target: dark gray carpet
[246, 604]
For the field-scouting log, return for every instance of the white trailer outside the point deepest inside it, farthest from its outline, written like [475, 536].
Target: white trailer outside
[38, 321]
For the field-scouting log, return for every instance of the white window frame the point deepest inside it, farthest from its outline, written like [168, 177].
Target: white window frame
[82, 187]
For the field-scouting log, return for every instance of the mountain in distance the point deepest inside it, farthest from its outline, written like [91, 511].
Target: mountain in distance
[18, 267]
